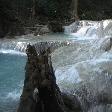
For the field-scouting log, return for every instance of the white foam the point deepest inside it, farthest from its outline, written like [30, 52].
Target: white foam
[3, 51]
[90, 29]
[67, 75]
[81, 32]
[14, 95]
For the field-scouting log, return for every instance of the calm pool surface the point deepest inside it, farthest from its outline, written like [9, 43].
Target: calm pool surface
[11, 81]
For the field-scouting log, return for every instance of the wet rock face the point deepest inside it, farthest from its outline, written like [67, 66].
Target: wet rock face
[3, 29]
[42, 30]
[1, 33]
[56, 26]
[40, 91]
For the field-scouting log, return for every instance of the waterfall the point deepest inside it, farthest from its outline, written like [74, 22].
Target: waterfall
[85, 70]
[82, 61]
[90, 28]
[100, 32]
[18, 46]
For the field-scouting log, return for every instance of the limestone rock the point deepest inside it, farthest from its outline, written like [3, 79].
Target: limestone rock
[40, 91]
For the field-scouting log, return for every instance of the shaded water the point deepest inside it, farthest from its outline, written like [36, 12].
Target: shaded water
[11, 81]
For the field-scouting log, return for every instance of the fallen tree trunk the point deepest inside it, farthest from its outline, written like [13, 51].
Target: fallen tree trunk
[40, 91]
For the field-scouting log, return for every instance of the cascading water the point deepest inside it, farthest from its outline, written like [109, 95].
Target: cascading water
[82, 62]
[85, 68]
[12, 65]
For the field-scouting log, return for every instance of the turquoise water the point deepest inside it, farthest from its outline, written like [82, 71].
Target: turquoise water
[11, 81]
